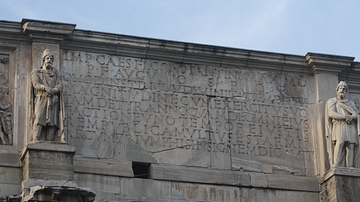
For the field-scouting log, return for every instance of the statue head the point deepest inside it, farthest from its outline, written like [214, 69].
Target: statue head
[47, 59]
[342, 90]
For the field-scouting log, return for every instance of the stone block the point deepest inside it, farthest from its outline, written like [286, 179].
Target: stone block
[162, 191]
[200, 192]
[10, 175]
[258, 180]
[150, 190]
[340, 184]
[10, 159]
[199, 175]
[96, 166]
[290, 182]
[39, 158]
[211, 193]
[9, 189]
[101, 183]
[275, 195]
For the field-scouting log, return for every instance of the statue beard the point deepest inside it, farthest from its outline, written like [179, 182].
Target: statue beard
[48, 64]
[342, 95]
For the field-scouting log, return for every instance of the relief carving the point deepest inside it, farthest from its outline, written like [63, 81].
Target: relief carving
[4, 60]
[47, 86]
[342, 128]
[6, 134]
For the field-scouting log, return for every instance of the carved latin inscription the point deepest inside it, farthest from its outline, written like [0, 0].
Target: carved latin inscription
[262, 129]
[164, 106]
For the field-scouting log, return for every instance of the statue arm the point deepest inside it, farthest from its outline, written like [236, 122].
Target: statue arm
[58, 82]
[333, 114]
[35, 80]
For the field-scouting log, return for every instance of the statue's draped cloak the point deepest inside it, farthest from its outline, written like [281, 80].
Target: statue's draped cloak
[47, 108]
[336, 127]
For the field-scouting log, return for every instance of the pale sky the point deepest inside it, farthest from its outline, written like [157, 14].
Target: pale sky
[282, 26]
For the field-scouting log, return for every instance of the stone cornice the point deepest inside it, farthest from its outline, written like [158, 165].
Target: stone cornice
[328, 63]
[341, 171]
[7, 26]
[46, 31]
[10, 32]
[180, 52]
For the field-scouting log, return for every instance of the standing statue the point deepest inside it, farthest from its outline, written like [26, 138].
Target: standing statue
[47, 87]
[6, 135]
[342, 128]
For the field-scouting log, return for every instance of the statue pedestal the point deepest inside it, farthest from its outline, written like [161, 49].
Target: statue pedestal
[48, 173]
[340, 184]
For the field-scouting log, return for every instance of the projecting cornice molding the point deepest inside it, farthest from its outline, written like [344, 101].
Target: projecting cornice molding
[10, 33]
[46, 31]
[181, 52]
[328, 63]
[173, 51]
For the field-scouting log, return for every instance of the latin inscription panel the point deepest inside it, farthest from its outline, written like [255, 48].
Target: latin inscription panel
[184, 114]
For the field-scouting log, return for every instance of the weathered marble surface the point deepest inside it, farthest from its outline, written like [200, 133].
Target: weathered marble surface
[210, 123]
[59, 193]
[192, 115]
[127, 189]
[41, 157]
[48, 174]
[47, 87]
[10, 181]
[340, 184]
[6, 104]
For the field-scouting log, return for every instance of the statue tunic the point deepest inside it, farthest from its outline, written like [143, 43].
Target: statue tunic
[47, 107]
[337, 129]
